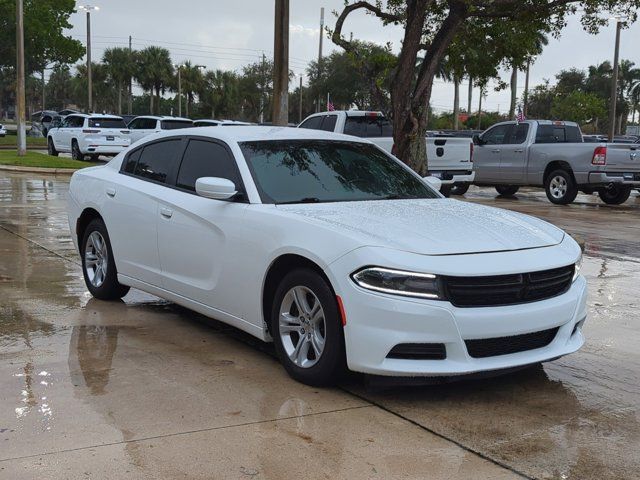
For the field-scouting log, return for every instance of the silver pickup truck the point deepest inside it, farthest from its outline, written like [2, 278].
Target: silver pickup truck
[551, 154]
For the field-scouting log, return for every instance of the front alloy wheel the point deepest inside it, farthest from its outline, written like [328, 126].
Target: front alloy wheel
[307, 328]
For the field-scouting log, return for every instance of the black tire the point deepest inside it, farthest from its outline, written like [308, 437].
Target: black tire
[445, 190]
[460, 188]
[109, 288]
[560, 187]
[331, 364]
[51, 149]
[615, 195]
[507, 190]
[76, 154]
[95, 158]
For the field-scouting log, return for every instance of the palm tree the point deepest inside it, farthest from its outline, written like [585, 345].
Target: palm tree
[154, 73]
[192, 80]
[538, 43]
[627, 77]
[120, 66]
[220, 93]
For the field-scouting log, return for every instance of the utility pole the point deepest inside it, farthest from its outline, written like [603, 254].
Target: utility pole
[20, 97]
[480, 107]
[264, 86]
[614, 86]
[129, 106]
[179, 67]
[281, 64]
[320, 55]
[88, 9]
[43, 91]
[300, 94]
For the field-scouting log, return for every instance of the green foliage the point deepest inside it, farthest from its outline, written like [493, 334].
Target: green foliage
[578, 107]
[35, 159]
[154, 72]
[220, 95]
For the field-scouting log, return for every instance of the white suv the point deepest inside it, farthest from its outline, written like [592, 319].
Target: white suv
[93, 135]
[146, 125]
[3, 131]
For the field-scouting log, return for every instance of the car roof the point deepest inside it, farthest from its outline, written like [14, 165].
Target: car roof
[165, 117]
[250, 133]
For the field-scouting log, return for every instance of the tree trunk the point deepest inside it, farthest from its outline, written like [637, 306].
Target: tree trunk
[151, 101]
[470, 96]
[119, 97]
[157, 103]
[480, 110]
[526, 89]
[456, 103]
[514, 93]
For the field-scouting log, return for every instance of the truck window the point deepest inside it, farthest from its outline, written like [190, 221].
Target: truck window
[368, 126]
[312, 123]
[517, 135]
[496, 135]
[329, 123]
[558, 134]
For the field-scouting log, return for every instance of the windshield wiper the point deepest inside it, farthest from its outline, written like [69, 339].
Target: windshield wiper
[302, 200]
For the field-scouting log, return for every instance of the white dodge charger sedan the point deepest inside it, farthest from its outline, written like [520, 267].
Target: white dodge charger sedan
[332, 249]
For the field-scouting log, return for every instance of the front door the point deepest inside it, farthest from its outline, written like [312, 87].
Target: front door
[486, 157]
[513, 159]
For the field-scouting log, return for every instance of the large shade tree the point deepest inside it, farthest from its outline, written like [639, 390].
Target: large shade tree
[432, 25]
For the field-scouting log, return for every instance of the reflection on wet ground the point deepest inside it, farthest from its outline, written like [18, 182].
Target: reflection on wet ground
[143, 388]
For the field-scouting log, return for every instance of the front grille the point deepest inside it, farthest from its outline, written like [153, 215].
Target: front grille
[492, 347]
[501, 290]
[418, 351]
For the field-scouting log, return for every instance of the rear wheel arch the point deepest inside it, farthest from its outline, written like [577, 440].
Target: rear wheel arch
[278, 269]
[557, 165]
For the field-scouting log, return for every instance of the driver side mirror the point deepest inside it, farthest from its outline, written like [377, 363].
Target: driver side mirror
[433, 182]
[477, 140]
[216, 188]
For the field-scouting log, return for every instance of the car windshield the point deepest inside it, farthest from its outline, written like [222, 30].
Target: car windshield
[314, 171]
[175, 124]
[107, 123]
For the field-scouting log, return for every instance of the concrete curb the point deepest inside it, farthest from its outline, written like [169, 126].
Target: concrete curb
[52, 171]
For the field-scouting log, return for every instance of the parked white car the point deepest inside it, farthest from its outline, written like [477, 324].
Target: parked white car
[88, 135]
[330, 247]
[3, 131]
[450, 158]
[147, 124]
[218, 123]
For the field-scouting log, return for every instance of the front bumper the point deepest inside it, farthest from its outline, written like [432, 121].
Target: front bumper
[451, 177]
[631, 179]
[375, 322]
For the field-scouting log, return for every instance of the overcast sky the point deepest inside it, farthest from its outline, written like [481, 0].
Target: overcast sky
[229, 34]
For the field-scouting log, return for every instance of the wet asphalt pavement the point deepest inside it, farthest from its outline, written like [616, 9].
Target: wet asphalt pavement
[145, 389]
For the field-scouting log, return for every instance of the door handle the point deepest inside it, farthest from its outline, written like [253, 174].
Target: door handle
[519, 151]
[111, 192]
[497, 150]
[166, 213]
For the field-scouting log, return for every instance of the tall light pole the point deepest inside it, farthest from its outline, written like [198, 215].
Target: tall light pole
[300, 93]
[318, 103]
[89, 9]
[614, 84]
[20, 100]
[179, 68]
[281, 64]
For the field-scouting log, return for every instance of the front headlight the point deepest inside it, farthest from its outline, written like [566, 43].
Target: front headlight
[576, 270]
[398, 282]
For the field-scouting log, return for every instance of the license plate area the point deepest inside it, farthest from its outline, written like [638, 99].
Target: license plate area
[110, 138]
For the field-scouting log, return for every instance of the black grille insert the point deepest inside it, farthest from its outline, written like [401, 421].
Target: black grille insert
[492, 347]
[419, 351]
[501, 290]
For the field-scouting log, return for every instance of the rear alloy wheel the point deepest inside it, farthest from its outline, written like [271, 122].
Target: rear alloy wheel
[76, 154]
[560, 187]
[507, 190]
[615, 195]
[460, 188]
[98, 265]
[307, 329]
[51, 149]
[446, 190]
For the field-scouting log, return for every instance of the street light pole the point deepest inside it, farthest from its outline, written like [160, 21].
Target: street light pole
[20, 96]
[281, 64]
[300, 93]
[614, 86]
[88, 9]
[179, 67]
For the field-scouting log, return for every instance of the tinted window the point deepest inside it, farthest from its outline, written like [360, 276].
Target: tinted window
[157, 159]
[46, 118]
[206, 159]
[147, 124]
[558, 134]
[329, 123]
[496, 135]
[298, 171]
[369, 126]
[175, 124]
[131, 161]
[517, 134]
[313, 123]
[107, 123]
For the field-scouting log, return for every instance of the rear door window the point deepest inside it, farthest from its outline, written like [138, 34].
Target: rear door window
[558, 134]
[174, 124]
[204, 158]
[157, 160]
[369, 126]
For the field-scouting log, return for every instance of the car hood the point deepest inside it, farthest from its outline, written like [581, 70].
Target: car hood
[431, 226]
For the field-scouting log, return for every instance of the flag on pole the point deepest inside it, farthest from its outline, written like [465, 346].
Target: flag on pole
[520, 115]
[330, 107]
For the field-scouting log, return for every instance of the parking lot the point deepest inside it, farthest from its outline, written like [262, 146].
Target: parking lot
[145, 389]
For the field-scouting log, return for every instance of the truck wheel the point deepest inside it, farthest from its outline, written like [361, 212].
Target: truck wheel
[615, 195]
[76, 154]
[460, 189]
[51, 149]
[507, 190]
[560, 187]
[445, 190]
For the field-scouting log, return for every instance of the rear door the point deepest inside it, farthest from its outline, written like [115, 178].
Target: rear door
[486, 157]
[513, 158]
[196, 234]
[132, 208]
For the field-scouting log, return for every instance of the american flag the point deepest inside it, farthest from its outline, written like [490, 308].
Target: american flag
[330, 107]
[520, 115]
